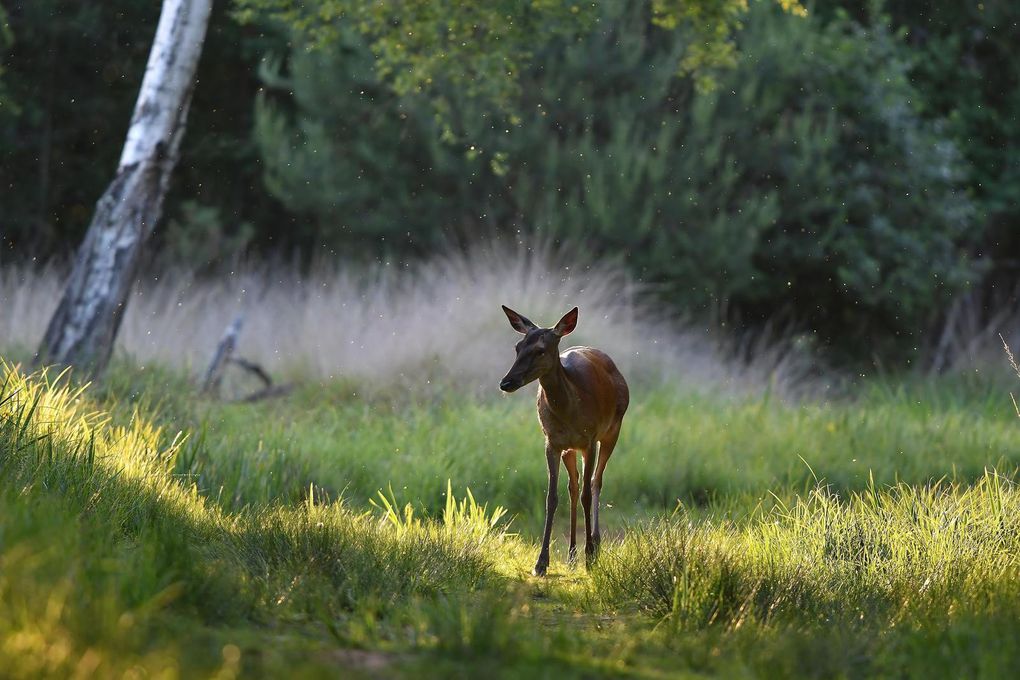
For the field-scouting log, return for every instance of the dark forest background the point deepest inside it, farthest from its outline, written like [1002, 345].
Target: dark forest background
[854, 176]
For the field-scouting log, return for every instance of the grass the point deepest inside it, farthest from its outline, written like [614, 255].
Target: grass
[697, 449]
[145, 530]
[907, 580]
[392, 327]
[99, 535]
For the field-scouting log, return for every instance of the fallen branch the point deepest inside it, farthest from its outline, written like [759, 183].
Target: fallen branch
[269, 390]
[224, 356]
[266, 393]
[252, 367]
[224, 350]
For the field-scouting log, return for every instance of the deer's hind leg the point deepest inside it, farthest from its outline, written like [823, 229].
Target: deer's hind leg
[606, 446]
[589, 469]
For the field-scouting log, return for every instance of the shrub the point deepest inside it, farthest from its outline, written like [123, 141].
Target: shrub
[807, 185]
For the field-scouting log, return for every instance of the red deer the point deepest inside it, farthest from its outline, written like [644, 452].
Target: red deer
[581, 401]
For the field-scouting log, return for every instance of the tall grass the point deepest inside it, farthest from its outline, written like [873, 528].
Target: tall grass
[103, 549]
[709, 452]
[407, 325]
[910, 580]
[899, 550]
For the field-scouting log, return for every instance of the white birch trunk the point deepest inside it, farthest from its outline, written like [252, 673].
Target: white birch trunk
[84, 327]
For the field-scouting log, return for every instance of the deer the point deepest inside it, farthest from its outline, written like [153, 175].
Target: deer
[582, 398]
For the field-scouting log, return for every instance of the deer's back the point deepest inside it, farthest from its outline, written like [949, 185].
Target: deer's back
[602, 398]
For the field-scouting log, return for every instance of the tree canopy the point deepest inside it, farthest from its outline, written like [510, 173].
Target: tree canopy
[484, 46]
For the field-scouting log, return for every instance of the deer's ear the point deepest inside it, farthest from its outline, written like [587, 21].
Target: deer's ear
[519, 323]
[567, 323]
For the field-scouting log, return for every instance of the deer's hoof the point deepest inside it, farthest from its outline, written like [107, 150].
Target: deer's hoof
[572, 557]
[540, 569]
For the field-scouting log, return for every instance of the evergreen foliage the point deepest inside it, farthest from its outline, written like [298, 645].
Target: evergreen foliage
[62, 143]
[358, 163]
[871, 210]
[966, 68]
[807, 183]
[71, 78]
[6, 38]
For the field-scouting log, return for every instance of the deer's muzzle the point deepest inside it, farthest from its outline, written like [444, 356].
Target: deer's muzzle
[509, 384]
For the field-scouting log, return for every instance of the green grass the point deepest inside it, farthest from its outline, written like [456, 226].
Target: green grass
[145, 529]
[696, 449]
[99, 535]
[920, 580]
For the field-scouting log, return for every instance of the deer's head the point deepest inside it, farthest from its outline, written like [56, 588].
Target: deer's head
[538, 352]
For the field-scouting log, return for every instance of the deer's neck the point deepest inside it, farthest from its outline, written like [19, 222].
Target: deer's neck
[559, 391]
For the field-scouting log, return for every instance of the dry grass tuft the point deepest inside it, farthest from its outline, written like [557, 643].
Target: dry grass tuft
[389, 326]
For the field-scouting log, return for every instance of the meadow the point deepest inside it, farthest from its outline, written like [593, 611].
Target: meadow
[789, 224]
[760, 521]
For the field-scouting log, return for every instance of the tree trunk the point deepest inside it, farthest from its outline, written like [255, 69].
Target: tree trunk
[84, 327]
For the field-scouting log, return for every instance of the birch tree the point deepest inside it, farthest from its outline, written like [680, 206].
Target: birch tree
[83, 328]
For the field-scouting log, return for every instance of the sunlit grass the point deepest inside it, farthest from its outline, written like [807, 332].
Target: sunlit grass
[893, 574]
[131, 544]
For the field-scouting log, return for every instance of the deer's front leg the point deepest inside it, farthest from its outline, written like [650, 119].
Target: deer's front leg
[570, 462]
[552, 460]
